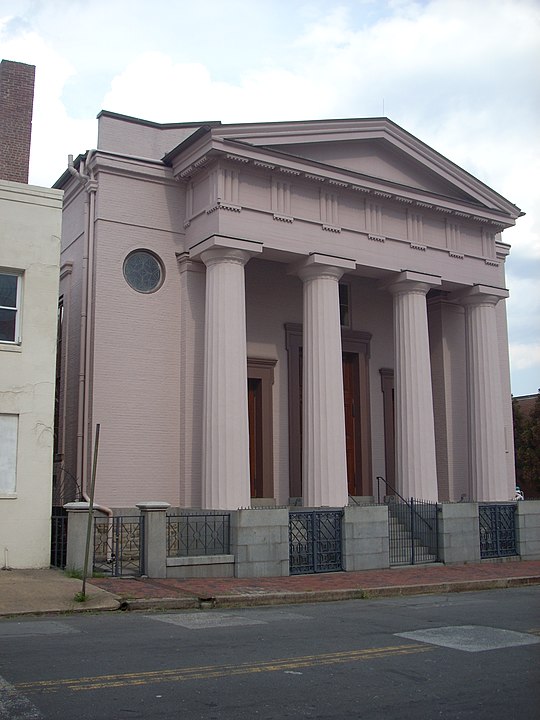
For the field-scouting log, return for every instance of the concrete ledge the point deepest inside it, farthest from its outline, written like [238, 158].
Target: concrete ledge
[200, 560]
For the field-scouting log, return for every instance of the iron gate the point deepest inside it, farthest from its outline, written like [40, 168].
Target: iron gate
[497, 530]
[412, 532]
[118, 545]
[59, 525]
[315, 541]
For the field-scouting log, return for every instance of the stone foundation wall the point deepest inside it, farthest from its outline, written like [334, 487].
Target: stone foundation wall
[259, 544]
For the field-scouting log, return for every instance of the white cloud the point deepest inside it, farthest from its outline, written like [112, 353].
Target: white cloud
[54, 132]
[461, 75]
[524, 356]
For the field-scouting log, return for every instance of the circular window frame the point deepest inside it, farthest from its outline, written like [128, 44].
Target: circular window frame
[159, 263]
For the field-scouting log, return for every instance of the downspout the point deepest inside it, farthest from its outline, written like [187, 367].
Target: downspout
[89, 183]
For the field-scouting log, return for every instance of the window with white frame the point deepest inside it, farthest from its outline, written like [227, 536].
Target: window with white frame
[9, 425]
[10, 306]
[345, 305]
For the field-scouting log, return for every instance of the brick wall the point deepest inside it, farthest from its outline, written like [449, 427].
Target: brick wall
[16, 101]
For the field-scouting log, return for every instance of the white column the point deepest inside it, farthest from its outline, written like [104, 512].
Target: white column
[487, 462]
[225, 460]
[416, 469]
[324, 463]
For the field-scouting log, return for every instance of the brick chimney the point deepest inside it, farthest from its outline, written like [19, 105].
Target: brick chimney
[16, 103]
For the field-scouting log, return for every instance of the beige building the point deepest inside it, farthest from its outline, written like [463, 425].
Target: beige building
[264, 312]
[30, 222]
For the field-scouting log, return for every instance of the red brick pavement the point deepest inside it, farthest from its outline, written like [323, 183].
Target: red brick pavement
[402, 577]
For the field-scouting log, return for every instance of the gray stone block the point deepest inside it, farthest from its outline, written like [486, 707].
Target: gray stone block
[259, 535]
[262, 517]
[261, 569]
[458, 510]
[201, 571]
[266, 553]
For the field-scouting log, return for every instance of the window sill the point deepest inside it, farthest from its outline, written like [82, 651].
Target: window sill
[10, 347]
[8, 496]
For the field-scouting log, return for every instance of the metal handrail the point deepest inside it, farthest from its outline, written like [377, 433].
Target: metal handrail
[409, 504]
[379, 479]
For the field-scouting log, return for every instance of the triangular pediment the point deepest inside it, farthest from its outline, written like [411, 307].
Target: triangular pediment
[373, 148]
[376, 159]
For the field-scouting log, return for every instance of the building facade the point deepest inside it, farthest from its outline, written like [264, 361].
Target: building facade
[275, 313]
[30, 224]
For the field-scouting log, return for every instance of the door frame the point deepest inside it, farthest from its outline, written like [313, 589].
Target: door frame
[263, 369]
[352, 341]
[387, 387]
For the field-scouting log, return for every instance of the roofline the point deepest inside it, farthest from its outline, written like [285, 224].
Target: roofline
[151, 123]
[190, 140]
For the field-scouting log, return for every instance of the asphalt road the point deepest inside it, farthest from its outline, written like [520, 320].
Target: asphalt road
[469, 655]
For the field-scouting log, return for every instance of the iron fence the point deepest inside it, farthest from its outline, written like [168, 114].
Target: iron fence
[497, 530]
[413, 532]
[195, 534]
[118, 545]
[59, 526]
[413, 527]
[315, 541]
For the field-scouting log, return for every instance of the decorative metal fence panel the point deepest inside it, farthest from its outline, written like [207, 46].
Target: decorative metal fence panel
[413, 532]
[198, 534]
[315, 541]
[497, 530]
[118, 545]
[59, 525]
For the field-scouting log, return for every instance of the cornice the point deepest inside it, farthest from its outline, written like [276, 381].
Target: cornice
[126, 166]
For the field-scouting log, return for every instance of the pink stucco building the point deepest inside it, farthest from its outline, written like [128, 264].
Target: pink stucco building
[260, 312]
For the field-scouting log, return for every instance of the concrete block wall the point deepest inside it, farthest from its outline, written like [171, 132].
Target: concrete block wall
[260, 542]
[459, 533]
[218, 566]
[365, 537]
[528, 529]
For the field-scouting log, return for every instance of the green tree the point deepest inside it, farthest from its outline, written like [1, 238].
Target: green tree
[527, 448]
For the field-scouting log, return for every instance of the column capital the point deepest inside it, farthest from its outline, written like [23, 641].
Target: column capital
[215, 255]
[410, 281]
[318, 265]
[481, 295]
[217, 243]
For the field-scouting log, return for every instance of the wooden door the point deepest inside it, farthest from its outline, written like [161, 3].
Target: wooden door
[351, 400]
[255, 437]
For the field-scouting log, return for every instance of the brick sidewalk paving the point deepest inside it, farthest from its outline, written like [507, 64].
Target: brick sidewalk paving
[421, 576]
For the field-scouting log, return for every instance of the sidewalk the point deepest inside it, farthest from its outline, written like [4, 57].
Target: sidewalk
[29, 592]
[24, 592]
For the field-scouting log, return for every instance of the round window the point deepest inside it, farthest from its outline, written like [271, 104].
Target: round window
[143, 271]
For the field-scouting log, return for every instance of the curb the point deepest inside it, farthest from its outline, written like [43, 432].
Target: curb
[290, 598]
[77, 609]
[174, 603]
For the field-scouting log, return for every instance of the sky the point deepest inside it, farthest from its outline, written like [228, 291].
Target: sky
[461, 75]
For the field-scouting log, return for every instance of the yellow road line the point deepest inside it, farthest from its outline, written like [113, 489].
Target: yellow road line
[205, 672]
